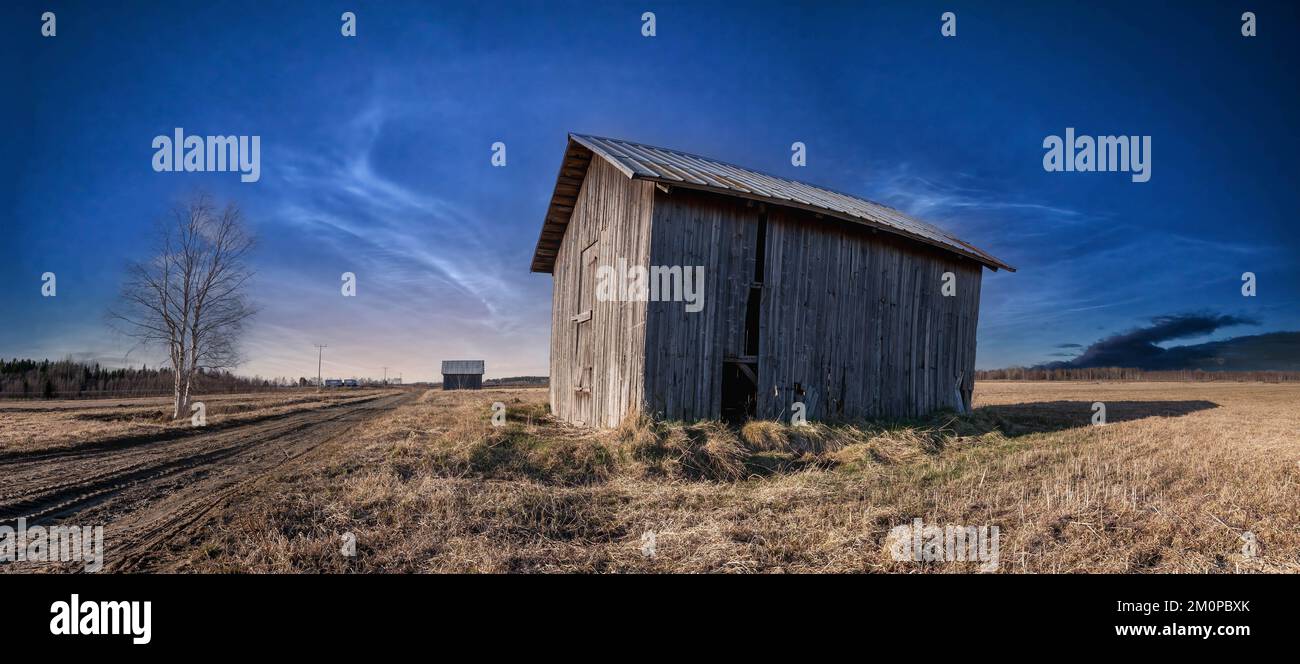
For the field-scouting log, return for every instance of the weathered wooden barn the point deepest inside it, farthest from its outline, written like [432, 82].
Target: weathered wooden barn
[809, 295]
[462, 374]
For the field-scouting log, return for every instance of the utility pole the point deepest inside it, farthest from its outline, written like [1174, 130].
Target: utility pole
[385, 375]
[319, 352]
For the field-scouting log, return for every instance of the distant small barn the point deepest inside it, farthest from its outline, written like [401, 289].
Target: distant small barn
[812, 297]
[462, 374]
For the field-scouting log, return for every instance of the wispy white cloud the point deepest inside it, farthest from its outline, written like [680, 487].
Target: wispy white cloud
[432, 281]
[927, 198]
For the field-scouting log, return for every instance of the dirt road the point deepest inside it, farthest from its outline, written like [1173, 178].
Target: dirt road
[149, 494]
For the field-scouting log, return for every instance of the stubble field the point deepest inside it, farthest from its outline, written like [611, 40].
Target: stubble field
[1183, 477]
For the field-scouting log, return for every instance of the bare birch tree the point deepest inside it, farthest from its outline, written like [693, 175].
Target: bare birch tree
[190, 297]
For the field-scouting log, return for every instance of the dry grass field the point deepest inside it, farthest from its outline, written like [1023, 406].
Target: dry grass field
[1176, 481]
[31, 426]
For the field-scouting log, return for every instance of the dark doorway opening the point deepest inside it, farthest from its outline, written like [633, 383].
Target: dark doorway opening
[739, 393]
[740, 373]
[752, 317]
[754, 301]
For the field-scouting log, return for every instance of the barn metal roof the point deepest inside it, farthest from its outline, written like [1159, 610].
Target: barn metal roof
[462, 367]
[680, 169]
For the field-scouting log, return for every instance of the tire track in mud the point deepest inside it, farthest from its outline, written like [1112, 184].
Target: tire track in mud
[145, 438]
[135, 463]
[146, 495]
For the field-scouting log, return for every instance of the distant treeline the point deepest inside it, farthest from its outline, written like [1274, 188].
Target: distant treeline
[512, 381]
[517, 381]
[70, 379]
[1120, 373]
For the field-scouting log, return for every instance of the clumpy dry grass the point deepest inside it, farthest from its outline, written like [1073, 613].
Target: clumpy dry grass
[1175, 480]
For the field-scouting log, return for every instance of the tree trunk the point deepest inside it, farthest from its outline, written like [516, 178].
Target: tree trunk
[178, 399]
[180, 384]
[185, 393]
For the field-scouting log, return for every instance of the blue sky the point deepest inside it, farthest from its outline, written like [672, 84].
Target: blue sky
[376, 154]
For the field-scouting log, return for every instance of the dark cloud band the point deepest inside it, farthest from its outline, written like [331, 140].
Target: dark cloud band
[1138, 348]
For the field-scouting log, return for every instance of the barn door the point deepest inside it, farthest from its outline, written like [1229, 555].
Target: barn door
[584, 354]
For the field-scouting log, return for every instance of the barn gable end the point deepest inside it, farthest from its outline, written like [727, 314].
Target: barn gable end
[597, 347]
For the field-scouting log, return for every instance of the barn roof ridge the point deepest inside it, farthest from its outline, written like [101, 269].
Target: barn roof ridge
[673, 167]
[738, 167]
[462, 366]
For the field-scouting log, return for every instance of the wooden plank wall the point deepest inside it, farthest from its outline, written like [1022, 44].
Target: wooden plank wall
[613, 211]
[462, 382]
[856, 320]
[683, 366]
[852, 322]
